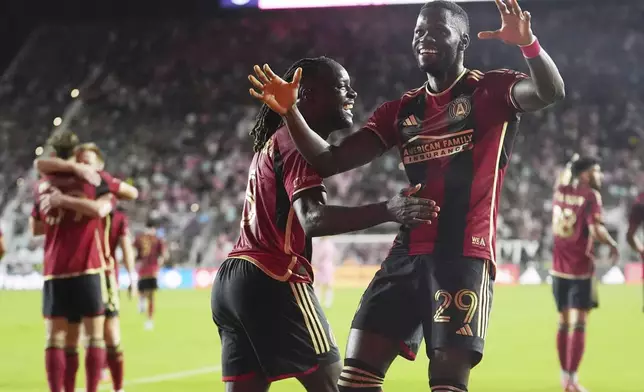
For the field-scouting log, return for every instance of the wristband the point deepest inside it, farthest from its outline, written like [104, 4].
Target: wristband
[531, 50]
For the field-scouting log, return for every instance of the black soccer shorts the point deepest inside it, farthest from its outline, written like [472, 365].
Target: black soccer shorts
[445, 301]
[269, 329]
[575, 293]
[112, 300]
[74, 298]
[147, 284]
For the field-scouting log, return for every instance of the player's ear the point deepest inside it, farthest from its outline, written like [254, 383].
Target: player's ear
[304, 93]
[465, 42]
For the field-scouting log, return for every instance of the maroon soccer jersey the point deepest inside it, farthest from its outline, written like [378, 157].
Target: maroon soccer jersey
[457, 144]
[116, 227]
[149, 250]
[636, 214]
[271, 236]
[73, 243]
[574, 209]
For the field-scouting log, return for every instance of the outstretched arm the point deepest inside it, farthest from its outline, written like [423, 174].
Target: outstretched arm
[545, 85]
[319, 219]
[353, 151]
[98, 208]
[56, 165]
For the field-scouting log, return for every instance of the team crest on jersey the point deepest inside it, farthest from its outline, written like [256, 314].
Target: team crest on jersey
[459, 108]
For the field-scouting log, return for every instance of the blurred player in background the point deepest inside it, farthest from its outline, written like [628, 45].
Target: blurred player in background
[116, 234]
[576, 223]
[271, 324]
[68, 211]
[455, 136]
[3, 249]
[151, 254]
[636, 221]
[324, 259]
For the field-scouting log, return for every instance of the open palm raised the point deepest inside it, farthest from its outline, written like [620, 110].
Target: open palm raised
[515, 25]
[274, 91]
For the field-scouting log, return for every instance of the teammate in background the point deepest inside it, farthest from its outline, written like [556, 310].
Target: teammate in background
[576, 223]
[455, 135]
[636, 221]
[270, 322]
[324, 259]
[151, 254]
[68, 211]
[116, 233]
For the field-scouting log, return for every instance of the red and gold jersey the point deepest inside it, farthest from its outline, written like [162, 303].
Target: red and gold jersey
[271, 236]
[574, 210]
[150, 249]
[116, 227]
[73, 241]
[456, 143]
[636, 214]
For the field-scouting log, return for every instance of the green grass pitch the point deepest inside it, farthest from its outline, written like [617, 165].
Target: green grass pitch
[182, 353]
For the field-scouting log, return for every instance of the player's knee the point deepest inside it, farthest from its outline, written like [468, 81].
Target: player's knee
[450, 369]
[356, 376]
[579, 326]
[324, 379]
[564, 327]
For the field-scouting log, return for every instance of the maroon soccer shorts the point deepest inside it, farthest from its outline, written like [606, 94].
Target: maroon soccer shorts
[445, 300]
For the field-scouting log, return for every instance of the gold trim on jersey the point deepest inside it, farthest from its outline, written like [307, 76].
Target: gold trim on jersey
[465, 71]
[92, 271]
[414, 92]
[106, 236]
[311, 319]
[256, 263]
[320, 185]
[563, 275]
[493, 202]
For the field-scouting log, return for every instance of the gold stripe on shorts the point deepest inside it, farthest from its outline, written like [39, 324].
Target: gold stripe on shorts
[312, 322]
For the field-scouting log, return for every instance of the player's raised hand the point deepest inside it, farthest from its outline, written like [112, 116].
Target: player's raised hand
[274, 91]
[87, 173]
[411, 211]
[515, 25]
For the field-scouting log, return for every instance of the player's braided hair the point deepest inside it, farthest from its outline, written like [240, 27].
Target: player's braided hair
[267, 120]
[454, 8]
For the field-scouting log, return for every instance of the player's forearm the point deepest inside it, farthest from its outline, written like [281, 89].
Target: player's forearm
[128, 256]
[327, 220]
[54, 165]
[604, 237]
[313, 148]
[92, 208]
[128, 192]
[548, 83]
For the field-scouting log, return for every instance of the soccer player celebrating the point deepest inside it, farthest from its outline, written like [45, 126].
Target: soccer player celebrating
[455, 135]
[71, 222]
[635, 221]
[116, 233]
[270, 322]
[151, 254]
[576, 223]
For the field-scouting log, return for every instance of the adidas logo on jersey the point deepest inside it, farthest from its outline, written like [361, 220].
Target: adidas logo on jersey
[465, 331]
[410, 121]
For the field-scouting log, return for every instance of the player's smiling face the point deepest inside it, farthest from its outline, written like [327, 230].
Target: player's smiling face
[334, 98]
[437, 40]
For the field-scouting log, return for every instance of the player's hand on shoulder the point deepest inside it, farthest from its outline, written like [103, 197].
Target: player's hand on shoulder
[410, 211]
[515, 25]
[278, 94]
[87, 173]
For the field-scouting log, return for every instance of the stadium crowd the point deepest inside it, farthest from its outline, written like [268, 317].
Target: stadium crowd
[168, 104]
